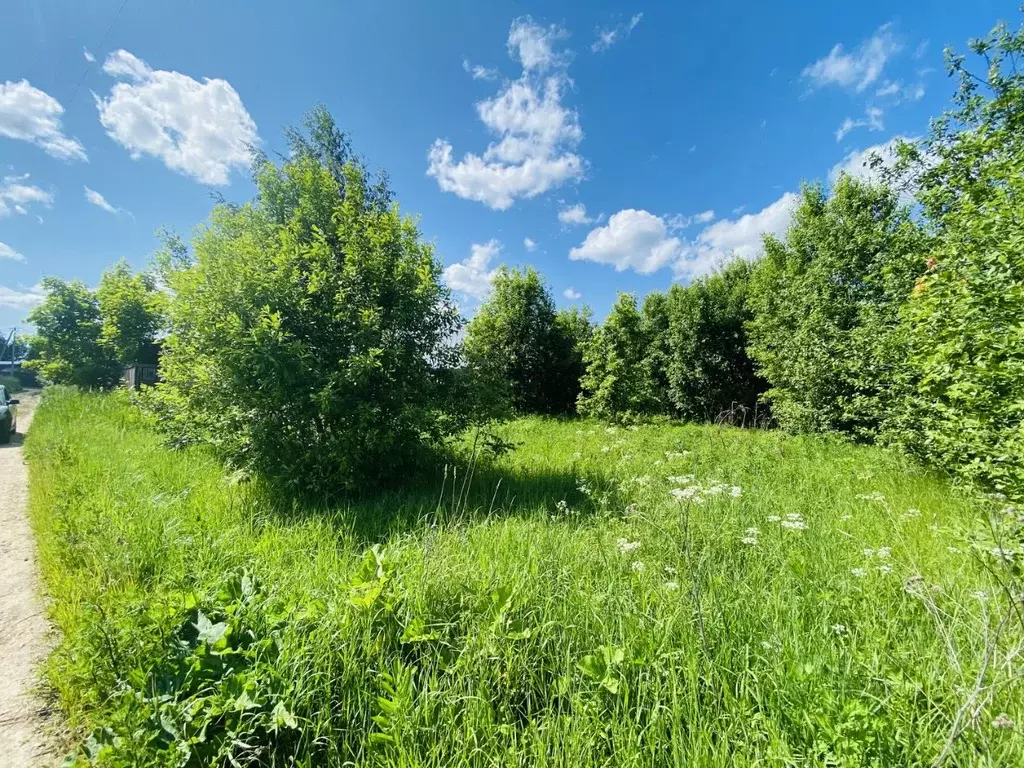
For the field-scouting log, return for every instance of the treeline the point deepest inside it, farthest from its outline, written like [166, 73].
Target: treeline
[308, 335]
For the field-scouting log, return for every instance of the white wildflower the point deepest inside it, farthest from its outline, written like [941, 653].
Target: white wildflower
[749, 540]
[873, 496]
[912, 512]
[626, 546]
[1003, 722]
[680, 479]
[1006, 555]
[773, 518]
[670, 570]
[868, 552]
[846, 517]
[980, 594]
[605, 449]
[735, 491]
[671, 586]
[637, 566]
[839, 629]
[885, 570]
[860, 573]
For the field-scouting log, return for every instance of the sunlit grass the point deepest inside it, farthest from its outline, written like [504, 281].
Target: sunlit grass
[805, 602]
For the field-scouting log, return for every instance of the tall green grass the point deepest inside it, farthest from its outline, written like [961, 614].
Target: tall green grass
[562, 608]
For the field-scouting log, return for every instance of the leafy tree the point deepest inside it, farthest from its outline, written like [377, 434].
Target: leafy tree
[68, 341]
[707, 366]
[966, 336]
[618, 383]
[311, 337]
[132, 311]
[656, 316]
[826, 300]
[519, 340]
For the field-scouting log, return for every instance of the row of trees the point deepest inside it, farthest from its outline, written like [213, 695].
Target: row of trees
[310, 338]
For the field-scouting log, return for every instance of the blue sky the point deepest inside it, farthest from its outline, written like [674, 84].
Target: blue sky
[613, 146]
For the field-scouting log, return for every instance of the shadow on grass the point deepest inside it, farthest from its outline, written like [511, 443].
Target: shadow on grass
[445, 490]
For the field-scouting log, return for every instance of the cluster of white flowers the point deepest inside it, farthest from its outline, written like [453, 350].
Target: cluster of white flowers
[605, 448]
[751, 536]
[873, 496]
[671, 586]
[676, 455]
[577, 456]
[883, 554]
[1003, 722]
[697, 492]
[912, 512]
[637, 566]
[626, 546]
[1004, 554]
[611, 430]
[794, 521]
[839, 629]
[564, 510]
[632, 427]
[690, 493]
[860, 573]
[670, 571]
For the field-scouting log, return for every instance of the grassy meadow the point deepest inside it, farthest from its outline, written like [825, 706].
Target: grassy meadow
[662, 595]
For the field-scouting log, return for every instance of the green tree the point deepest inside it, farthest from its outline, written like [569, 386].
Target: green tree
[707, 366]
[520, 341]
[311, 337]
[618, 383]
[825, 330]
[68, 341]
[132, 311]
[964, 321]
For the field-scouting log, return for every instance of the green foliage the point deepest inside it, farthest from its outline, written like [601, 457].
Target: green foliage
[13, 384]
[132, 312]
[825, 331]
[311, 338]
[965, 318]
[709, 373]
[519, 340]
[619, 380]
[837, 609]
[69, 337]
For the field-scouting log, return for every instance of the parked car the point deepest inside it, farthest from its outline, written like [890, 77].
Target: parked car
[8, 415]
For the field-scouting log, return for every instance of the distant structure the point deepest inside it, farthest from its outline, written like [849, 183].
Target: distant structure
[145, 370]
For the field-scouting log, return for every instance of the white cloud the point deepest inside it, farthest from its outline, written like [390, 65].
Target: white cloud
[859, 68]
[533, 45]
[6, 252]
[529, 244]
[679, 221]
[12, 299]
[99, 200]
[536, 135]
[889, 88]
[857, 163]
[915, 93]
[872, 121]
[576, 215]
[631, 239]
[18, 196]
[572, 294]
[740, 237]
[608, 36]
[200, 129]
[479, 72]
[29, 114]
[88, 56]
[473, 275]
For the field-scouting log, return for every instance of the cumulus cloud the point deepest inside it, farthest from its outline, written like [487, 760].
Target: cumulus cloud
[473, 275]
[872, 121]
[99, 200]
[199, 129]
[575, 215]
[29, 114]
[572, 294]
[631, 239]
[14, 299]
[740, 237]
[17, 195]
[608, 36]
[536, 135]
[529, 244]
[857, 69]
[88, 55]
[6, 252]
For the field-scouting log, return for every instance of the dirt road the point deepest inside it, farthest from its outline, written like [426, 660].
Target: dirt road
[24, 633]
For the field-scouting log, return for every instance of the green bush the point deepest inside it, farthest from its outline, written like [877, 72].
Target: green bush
[311, 338]
[825, 330]
[709, 373]
[533, 352]
[619, 380]
[965, 318]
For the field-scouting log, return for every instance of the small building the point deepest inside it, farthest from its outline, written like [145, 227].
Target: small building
[145, 370]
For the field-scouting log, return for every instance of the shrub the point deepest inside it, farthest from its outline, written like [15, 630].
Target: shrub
[520, 341]
[132, 312]
[708, 369]
[964, 319]
[68, 343]
[619, 381]
[311, 338]
[825, 331]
